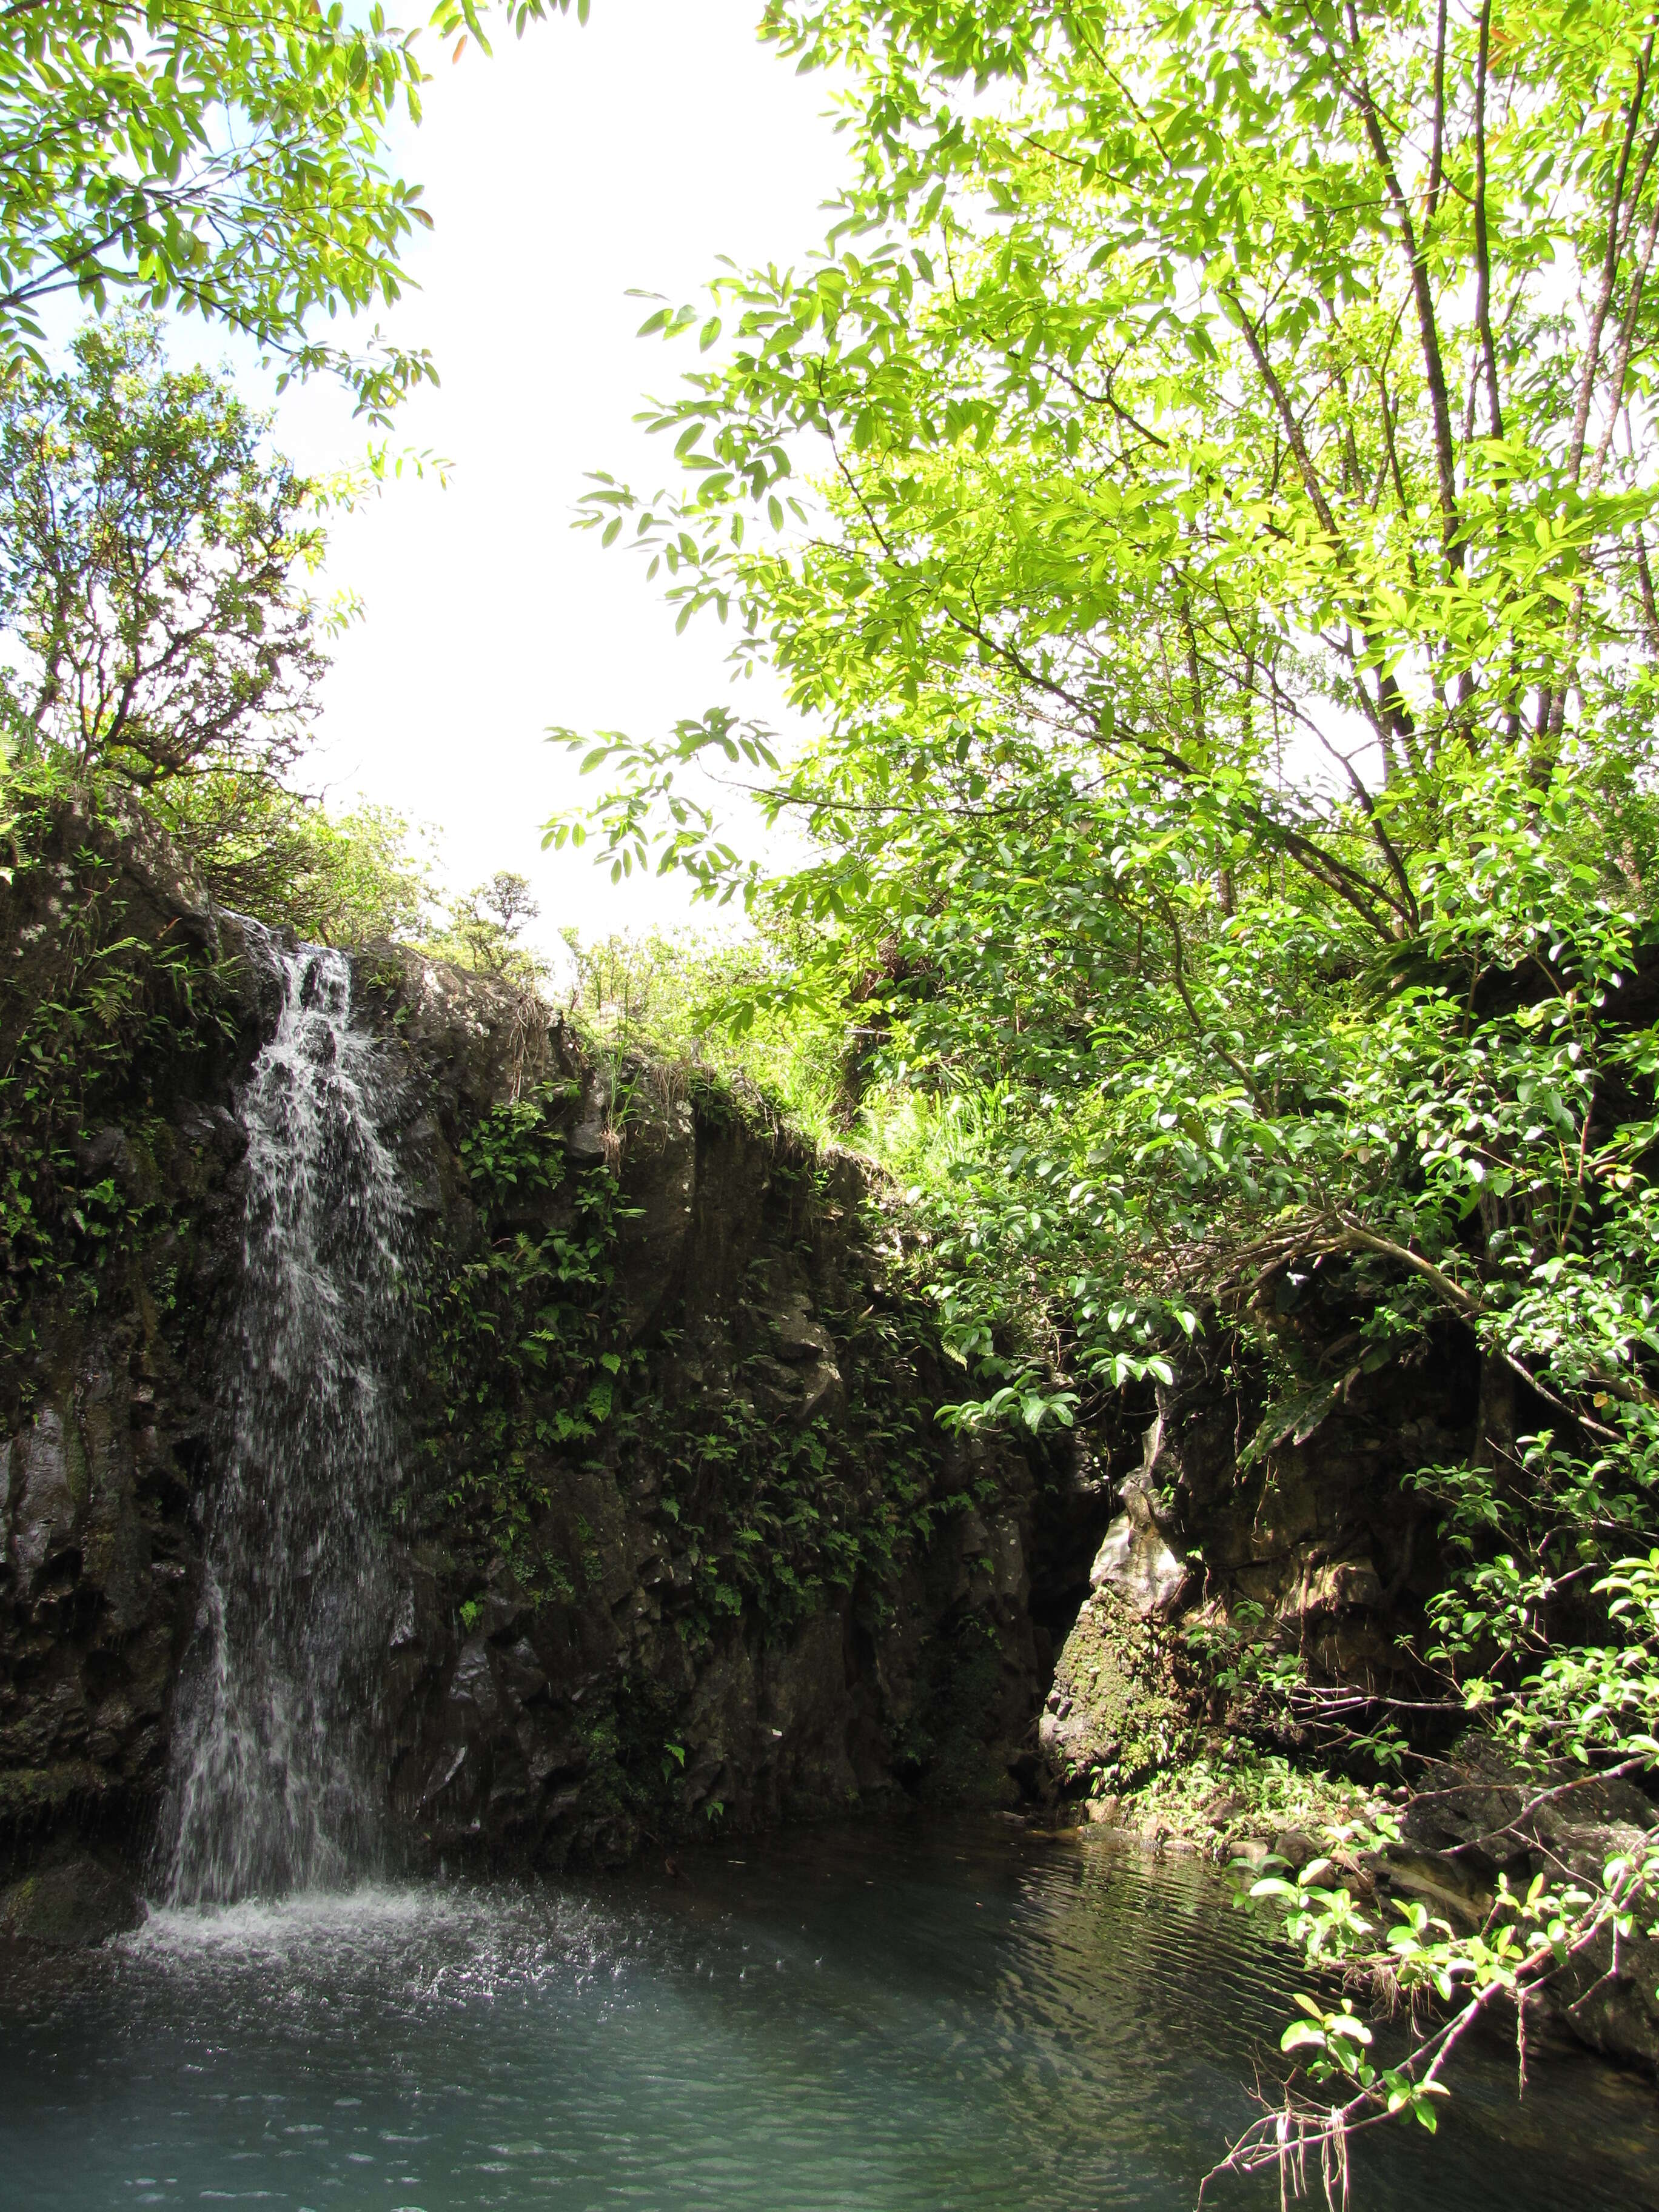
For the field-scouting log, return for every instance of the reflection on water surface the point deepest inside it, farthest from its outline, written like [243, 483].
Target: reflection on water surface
[865, 2022]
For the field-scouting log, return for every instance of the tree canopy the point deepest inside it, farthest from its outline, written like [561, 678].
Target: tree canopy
[153, 567]
[161, 631]
[226, 159]
[1225, 569]
[1199, 493]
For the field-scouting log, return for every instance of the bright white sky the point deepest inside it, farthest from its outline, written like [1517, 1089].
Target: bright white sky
[575, 164]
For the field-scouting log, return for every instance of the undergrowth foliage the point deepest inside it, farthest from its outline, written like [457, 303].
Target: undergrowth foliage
[520, 1351]
[533, 1375]
[776, 1520]
[94, 1020]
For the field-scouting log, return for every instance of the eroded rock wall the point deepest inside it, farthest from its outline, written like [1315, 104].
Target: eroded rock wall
[1302, 1533]
[765, 1585]
[679, 1548]
[123, 1004]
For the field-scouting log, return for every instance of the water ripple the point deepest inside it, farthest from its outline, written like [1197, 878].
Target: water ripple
[864, 2023]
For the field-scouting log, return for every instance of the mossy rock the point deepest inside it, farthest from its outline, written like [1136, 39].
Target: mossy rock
[70, 1906]
[25, 1792]
[1115, 1714]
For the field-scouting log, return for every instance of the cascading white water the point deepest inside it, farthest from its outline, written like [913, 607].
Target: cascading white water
[273, 1783]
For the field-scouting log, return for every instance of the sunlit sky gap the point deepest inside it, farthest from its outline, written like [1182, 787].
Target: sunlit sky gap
[574, 166]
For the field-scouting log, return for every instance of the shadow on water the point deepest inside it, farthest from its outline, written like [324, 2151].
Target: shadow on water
[867, 2021]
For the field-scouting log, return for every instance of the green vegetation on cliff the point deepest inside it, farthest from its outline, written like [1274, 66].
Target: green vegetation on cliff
[163, 638]
[533, 1370]
[103, 1014]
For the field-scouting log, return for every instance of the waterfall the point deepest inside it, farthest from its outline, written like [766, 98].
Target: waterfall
[274, 1783]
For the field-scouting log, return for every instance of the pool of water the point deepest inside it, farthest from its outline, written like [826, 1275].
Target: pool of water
[867, 2022]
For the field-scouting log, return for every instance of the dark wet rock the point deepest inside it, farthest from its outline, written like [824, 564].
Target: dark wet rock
[1299, 1530]
[104, 1402]
[1453, 1891]
[569, 1683]
[1305, 1522]
[71, 1905]
[1491, 1823]
[1304, 1530]
[109, 1152]
[1612, 2002]
[44, 1513]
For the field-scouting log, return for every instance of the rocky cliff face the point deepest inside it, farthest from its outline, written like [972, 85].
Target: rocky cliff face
[679, 1547]
[121, 1037]
[699, 1557]
[1300, 1534]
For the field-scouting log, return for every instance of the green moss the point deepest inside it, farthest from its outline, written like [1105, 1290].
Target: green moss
[1227, 1793]
[1128, 1717]
[27, 1791]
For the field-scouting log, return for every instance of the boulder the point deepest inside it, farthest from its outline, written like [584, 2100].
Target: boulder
[1114, 1713]
[71, 1905]
[1136, 1561]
